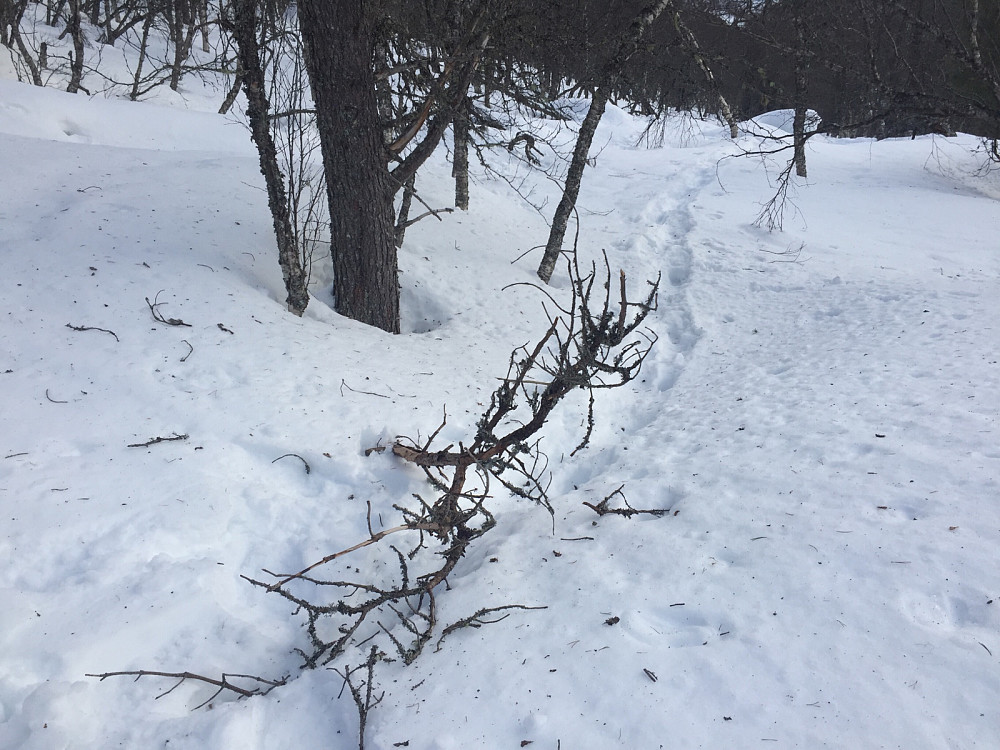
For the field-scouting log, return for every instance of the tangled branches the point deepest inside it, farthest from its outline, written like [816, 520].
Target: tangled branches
[593, 342]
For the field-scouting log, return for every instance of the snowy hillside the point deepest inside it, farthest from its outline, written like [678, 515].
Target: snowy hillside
[821, 415]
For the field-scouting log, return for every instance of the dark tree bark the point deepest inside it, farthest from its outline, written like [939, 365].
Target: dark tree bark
[9, 12]
[75, 30]
[403, 218]
[801, 82]
[571, 191]
[182, 29]
[460, 163]
[339, 43]
[147, 24]
[254, 86]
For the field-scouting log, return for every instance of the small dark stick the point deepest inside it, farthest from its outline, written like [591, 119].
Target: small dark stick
[296, 455]
[154, 441]
[158, 316]
[92, 328]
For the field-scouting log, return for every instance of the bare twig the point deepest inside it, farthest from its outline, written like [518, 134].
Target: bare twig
[343, 385]
[158, 316]
[155, 440]
[222, 684]
[363, 692]
[296, 455]
[628, 511]
[476, 620]
[92, 328]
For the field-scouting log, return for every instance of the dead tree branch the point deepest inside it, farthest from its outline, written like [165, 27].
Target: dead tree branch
[158, 316]
[628, 511]
[593, 341]
[93, 328]
[155, 440]
[363, 692]
[295, 455]
[476, 620]
[264, 686]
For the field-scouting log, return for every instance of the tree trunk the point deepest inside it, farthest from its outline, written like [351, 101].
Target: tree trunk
[460, 164]
[182, 47]
[245, 35]
[143, 51]
[628, 43]
[801, 82]
[339, 40]
[206, 47]
[76, 59]
[234, 90]
[53, 10]
[403, 218]
[8, 14]
[799, 139]
[110, 11]
[573, 179]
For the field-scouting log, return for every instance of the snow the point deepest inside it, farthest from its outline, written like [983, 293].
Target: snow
[819, 415]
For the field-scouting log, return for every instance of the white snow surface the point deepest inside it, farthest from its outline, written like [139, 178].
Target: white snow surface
[820, 415]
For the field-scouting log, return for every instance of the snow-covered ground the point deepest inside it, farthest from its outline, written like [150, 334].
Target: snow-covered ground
[820, 415]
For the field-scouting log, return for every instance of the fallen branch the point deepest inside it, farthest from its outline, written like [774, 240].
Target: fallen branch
[158, 316]
[54, 401]
[296, 455]
[181, 677]
[476, 620]
[93, 328]
[362, 693]
[287, 578]
[154, 441]
[628, 511]
[343, 385]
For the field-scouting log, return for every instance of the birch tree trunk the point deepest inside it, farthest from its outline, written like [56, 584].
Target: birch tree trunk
[571, 191]
[627, 46]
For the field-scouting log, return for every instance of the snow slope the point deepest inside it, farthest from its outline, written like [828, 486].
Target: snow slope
[820, 414]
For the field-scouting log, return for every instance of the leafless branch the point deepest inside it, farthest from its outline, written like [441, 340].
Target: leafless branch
[264, 685]
[155, 440]
[158, 316]
[296, 455]
[92, 328]
[628, 511]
